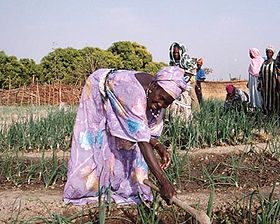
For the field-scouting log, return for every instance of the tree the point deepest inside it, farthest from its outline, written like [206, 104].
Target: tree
[62, 65]
[15, 73]
[29, 71]
[95, 58]
[154, 67]
[133, 55]
[10, 70]
[72, 66]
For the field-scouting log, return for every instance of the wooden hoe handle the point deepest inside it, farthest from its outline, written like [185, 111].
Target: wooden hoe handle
[200, 216]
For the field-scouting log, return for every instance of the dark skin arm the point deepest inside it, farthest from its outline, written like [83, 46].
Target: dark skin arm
[166, 189]
[163, 153]
[161, 99]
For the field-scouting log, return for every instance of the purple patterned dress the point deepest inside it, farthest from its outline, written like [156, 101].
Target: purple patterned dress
[111, 119]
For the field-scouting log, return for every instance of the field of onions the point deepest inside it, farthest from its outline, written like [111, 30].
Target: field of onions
[253, 175]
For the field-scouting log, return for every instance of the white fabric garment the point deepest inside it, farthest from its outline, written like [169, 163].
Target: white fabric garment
[254, 94]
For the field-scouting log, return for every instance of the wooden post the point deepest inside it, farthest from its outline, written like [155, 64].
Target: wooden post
[49, 99]
[8, 99]
[22, 95]
[38, 94]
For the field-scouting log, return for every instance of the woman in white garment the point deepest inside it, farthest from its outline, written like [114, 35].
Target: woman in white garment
[254, 69]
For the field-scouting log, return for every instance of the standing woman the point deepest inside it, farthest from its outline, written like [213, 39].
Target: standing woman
[254, 71]
[268, 84]
[200, 77]
[178, 56]
[277, 62]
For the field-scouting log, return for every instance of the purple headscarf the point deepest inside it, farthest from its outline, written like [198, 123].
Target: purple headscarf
[172, 80]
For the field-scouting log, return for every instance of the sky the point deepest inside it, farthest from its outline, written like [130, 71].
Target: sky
[220, 31]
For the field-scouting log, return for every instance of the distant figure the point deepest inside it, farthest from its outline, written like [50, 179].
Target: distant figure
[179, 57]
[277, 63]
[175, 53]
[236, 99]
[254, 70]
[268, 84]
[200, 77]
[183, 106]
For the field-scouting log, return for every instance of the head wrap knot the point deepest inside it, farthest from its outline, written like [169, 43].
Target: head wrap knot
[172, 80]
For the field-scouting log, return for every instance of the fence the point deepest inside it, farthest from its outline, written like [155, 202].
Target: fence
[35, 94]
[55, 94]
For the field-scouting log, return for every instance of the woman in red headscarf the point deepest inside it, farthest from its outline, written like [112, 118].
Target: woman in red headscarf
[236, 99]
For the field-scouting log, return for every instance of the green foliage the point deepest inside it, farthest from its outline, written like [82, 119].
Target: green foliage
[133, 56]
[17, 169]
[62, 65]
[72, 66]
[30, 71]
[14, 72]
[153, 67]
[52, 131]
[212, 126]
[215, 126]
[95, 58]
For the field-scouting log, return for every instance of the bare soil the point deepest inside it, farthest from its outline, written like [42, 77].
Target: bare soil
[217, 89]
[233, 172]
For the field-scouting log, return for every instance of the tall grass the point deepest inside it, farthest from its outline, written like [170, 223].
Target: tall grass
[211, 126]
[18, 170]
[215, 126]
[53, 130]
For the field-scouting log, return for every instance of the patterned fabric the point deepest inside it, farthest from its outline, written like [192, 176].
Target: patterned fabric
[238, 101]
[277, 60]
[104, 154]
[182, 50]
[184, 62]
[268, 80]
[181, 108]
[172, 80]
[188, 64]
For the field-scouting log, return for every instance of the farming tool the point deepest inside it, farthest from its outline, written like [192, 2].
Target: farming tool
[200, 216]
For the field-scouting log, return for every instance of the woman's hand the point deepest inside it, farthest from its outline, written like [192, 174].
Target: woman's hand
[167, 191]
[164, 155]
